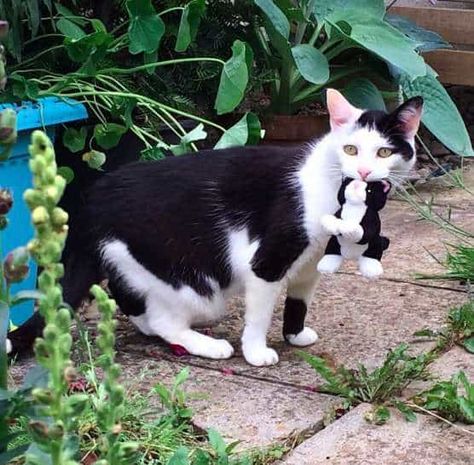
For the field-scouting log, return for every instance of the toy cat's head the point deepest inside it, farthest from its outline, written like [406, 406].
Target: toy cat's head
[373, 145]
[372, 194]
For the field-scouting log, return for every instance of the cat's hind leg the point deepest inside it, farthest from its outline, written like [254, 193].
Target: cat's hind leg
[158, 320]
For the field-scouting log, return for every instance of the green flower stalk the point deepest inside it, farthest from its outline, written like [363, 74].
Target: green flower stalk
[53, 437]
[110, 404]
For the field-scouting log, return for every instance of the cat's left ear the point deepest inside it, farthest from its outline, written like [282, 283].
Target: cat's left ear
[408, 116]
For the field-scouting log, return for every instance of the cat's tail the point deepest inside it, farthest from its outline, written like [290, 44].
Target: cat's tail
[81, 271]
[385, 242]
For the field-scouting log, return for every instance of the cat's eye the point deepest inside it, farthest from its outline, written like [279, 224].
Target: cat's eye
[384, 152]
[350, 149]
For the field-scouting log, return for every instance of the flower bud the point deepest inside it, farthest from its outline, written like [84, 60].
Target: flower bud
[43, 396]
[6, 201]
[8, 132]
[38, 430]
[40, 216]
[59, 217]
[15, 266]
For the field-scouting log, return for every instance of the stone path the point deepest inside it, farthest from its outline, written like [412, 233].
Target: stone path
[358, 322]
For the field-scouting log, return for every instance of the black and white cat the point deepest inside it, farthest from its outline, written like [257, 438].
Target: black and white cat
[178, 237]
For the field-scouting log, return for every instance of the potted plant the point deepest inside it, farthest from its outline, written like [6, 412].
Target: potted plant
[355, 46]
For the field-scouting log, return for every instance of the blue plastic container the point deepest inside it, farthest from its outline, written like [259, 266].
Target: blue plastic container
[44, 114]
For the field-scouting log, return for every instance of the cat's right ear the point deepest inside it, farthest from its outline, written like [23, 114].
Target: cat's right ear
[341, 112]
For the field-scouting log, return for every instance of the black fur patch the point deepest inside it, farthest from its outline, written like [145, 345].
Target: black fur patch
[293, 316]
[389, 125]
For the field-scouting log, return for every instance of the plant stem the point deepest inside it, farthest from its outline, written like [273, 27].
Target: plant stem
[158, 64]
[32, 59]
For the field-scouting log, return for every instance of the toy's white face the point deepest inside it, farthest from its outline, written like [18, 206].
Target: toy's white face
[356, 192]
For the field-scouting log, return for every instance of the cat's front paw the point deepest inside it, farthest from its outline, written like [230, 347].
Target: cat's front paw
[370, 267]
[351, 231]
[261, 356]
[8, 346]
[306, 337]
[330, 224]
[218, 349]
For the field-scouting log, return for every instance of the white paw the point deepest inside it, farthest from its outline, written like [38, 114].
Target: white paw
[370, 268]
[262, 356]
[217, 349]
[330, 224]
[8, 346]
[329, 263]
[303, 338]
[351, 231]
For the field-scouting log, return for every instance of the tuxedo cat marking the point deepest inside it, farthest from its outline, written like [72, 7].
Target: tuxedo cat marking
[360, 203]
[178, 237]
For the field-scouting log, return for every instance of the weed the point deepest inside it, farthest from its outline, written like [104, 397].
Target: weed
[459, 329]
[452, 400]
[377, 386]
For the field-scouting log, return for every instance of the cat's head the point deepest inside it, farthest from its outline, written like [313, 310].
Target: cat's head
[373, 145]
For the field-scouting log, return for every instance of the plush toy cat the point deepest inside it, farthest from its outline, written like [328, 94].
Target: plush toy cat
[360, 203]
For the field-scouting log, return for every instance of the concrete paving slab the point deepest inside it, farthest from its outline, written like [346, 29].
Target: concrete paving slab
[351, 440]
[254, 412]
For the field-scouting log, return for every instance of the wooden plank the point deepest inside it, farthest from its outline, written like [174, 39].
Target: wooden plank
[455, 26]
[453, 66]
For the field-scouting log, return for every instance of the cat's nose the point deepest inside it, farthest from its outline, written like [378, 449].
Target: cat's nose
[364, 173]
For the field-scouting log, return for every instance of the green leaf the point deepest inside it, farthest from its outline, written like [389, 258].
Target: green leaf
[406, 411]
[234, 78]
[425, 40]
[184, 146]
[70, 29]
[385, 41]
[66, 12]
[152, 153]
[468, 344]
[379, 415]
[24, 88]
[67, 173]
[336, 9]
[8, 456]
[276, 16]
[189, 24]
[180, 457]
[108, 135]
[94, 159]
[362, 93]
[75, 139]
[181, 377]
[216, 442]
[311, 63]
[90, 47]
[467, 409]
[146, 28]
[246, 131]
[440, 114]
[425, 333]
[34, 14]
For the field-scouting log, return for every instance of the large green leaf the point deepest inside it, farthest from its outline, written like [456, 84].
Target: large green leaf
[323, 9]
[386, 42]
[70, 29]
[276, 16]
[108, 135]
[440, 114]
[425, 40]
[234, 78]
[189, 24]
[146, 28]
[180, 457]
[246, 131]
[362, 93]
[75, 139]
[311, 63]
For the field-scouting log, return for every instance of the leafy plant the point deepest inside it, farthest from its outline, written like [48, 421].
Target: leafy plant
[459, 330]
[87, 64]
[310, 44]
[379, 386]
[453, 399]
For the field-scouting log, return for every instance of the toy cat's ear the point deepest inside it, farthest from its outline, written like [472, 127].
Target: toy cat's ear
[341, 112]
[408, 116]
